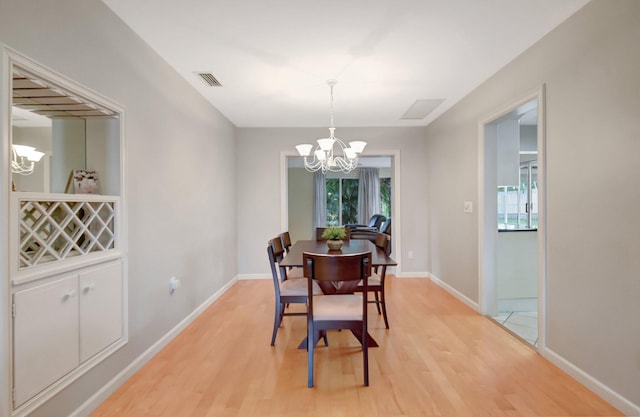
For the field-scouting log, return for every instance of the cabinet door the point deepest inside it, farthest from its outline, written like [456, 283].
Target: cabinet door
[45, 336]
[100, 308]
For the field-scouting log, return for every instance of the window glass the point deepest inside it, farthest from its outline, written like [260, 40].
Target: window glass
[518, 205]
[350, 200]
[333, 201]
[385, 197]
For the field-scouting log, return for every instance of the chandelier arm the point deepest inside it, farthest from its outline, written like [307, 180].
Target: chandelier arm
[313, 164]
[346, 165]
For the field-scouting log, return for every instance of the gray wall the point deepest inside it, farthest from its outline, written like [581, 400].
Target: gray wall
[258, 172]
[591, 66]
[180, 181]
[300, 183]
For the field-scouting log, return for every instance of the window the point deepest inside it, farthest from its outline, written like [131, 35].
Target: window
[342, 200]
[518, 206]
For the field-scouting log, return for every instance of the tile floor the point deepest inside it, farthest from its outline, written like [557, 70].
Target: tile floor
[521, 317]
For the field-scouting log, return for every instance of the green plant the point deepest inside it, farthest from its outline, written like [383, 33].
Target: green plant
[334, 233]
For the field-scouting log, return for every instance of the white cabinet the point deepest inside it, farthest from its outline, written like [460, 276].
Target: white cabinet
[60, 325]
[45, 336]
[100, 308]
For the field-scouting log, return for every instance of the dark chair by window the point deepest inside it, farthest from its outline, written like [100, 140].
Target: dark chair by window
[370, 234]
[374, 223]
[287, 291]
[338, 308]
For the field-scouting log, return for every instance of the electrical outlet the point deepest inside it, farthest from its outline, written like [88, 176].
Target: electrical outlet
[174, 284]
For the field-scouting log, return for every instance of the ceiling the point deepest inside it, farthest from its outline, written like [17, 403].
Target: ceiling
[390, 58]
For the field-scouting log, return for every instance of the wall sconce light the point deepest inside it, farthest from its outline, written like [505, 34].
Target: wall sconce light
[24, 158]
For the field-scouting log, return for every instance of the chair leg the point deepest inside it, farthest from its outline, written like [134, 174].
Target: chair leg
[276, 322]
[377, 301]
[310, 347]
[365, 355]
[384, 308]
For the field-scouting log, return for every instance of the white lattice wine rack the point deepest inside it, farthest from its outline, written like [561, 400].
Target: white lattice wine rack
[57, 228]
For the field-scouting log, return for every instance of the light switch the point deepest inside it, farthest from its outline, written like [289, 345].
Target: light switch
[468, 207]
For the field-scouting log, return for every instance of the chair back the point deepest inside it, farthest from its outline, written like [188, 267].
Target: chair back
[376, 220]
[337, 274]
[278, 253]
[383, 241]
[272, 264]
[385, 227]
[286, 240]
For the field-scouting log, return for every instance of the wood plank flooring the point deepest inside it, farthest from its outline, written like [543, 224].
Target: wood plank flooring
[439, 358]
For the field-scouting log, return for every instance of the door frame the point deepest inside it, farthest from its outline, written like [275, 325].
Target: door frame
[487, 207]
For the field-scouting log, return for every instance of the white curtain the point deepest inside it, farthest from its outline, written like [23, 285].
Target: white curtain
[368, 194]
[319, 201]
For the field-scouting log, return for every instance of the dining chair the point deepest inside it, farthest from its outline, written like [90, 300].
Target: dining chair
[285, 237]
[287, 291]
[279, 252]
[338, 308]
[377, 278]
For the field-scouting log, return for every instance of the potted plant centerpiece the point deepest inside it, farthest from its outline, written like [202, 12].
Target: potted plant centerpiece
[334, 236]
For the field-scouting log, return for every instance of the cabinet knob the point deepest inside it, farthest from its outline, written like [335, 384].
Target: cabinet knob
[69, 294]
[89, 287]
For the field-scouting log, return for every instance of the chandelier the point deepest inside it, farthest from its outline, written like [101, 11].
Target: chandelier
[324, 157]
[24, 158]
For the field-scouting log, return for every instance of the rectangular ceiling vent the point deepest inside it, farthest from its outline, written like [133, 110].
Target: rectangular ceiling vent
[421, 108]
[208, 79]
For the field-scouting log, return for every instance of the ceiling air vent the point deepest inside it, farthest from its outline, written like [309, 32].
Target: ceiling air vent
[421, 108]
[208, 79]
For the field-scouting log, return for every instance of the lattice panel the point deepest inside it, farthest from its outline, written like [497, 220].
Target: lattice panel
[55, 230]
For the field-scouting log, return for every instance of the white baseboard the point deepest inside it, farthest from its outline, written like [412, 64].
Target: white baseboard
[109, 388]
[600, 389]
[454, 292]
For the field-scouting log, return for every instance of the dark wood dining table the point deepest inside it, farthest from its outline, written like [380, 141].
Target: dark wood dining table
[378, 259]
[294, 256]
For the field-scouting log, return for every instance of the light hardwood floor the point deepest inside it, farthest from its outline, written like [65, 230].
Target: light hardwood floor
[439, 358]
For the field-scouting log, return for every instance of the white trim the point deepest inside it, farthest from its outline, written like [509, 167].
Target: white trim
[5, 187]
[110, 387]
[468, 301]
[600, 389]
[539, 95]
[542, 217]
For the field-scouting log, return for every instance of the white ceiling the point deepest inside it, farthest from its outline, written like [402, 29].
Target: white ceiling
[273, 57]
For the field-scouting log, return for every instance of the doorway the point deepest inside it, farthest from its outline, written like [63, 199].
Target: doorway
[511, 220]
[296, 196]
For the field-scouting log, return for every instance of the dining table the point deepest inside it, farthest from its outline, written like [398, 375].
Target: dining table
[379, 258]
